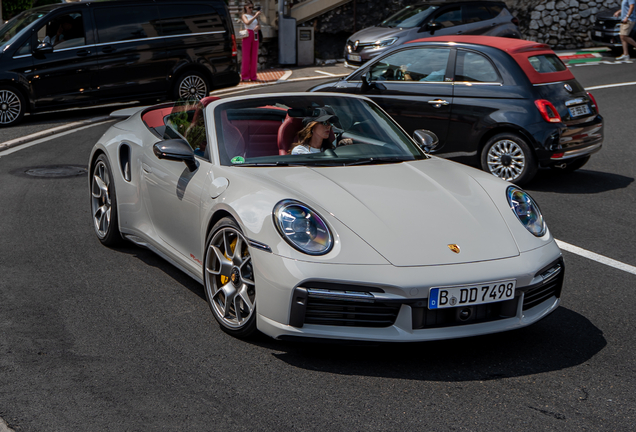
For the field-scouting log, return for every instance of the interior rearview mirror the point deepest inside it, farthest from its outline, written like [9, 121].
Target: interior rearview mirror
[426, 139]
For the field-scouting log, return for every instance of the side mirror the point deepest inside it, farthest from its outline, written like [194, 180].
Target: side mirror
[368, 84]
[433, 27]
[426, 139]
[176, 150]
[44, 48]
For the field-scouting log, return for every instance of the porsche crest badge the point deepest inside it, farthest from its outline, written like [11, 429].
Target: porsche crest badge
[454, 248]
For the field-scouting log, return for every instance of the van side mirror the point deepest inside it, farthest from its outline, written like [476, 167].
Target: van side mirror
[175, 150]
[426, 139]
[368, 84]
[44, 48]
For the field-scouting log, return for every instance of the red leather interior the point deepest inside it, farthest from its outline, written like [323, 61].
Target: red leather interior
[155, 117]
[260, 136]
[288, 133]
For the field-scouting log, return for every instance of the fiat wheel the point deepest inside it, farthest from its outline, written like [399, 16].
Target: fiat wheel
[191, 85]
[508, 157]
[12, 106]
[104, 203]
[229, 279]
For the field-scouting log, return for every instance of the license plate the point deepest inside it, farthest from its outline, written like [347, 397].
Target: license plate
[469, 295]
[598, 34]
[354, 57]
[579, 110]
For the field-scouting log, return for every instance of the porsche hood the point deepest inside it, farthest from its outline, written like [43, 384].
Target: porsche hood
[406, 213]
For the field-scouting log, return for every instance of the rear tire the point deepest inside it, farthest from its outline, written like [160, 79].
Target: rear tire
[12, 106]
[191, 85]
[508, 156]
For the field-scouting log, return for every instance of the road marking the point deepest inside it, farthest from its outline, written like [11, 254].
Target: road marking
[325, 73]
[611, 85]
[41, 140]
[596, 257]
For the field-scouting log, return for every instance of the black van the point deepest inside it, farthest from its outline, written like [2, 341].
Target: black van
[95, 52]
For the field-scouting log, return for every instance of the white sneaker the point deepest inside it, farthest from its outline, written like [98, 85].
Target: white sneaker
[623, 57]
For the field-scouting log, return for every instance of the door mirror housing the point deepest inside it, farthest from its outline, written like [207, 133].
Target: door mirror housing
[368, 84]
[433, 27]
[175, 150]
[44, 48]
[426, 139]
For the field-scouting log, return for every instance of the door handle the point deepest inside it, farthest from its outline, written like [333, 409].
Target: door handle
[83, 53]
[108, 49]
[460, 32]
[146, 168]
[437, 103]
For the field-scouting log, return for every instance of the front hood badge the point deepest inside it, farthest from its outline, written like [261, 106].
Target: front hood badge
[454, 248]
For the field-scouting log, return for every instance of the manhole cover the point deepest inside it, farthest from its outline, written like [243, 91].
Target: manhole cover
[56, 171]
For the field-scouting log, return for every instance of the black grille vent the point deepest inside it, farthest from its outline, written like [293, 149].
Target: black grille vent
[425, 318]
[348, 313]
[537, 295]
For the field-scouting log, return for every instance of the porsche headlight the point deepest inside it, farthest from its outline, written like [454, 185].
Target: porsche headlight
[302, 227]
[527, 210]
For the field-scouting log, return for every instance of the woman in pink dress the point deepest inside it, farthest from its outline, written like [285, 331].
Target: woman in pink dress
[250, 43]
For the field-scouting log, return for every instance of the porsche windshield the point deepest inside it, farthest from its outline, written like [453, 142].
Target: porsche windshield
[313, 130]
[410, 16]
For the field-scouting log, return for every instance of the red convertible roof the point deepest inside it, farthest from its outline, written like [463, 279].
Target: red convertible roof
[519, 49]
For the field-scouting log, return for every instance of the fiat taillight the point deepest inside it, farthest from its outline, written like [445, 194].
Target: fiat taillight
[594, 104]
[548, 111]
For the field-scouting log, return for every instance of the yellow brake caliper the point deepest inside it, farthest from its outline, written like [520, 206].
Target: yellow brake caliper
[225, 279]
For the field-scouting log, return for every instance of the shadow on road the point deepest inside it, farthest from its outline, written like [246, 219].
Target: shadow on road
[579, 182]
[562, 340]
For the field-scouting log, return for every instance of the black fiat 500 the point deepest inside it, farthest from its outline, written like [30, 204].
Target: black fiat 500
[506, 105]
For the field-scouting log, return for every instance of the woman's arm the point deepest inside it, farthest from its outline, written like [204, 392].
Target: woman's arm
[247, 21]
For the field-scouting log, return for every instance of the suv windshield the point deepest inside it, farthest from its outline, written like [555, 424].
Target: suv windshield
[410, 16]
[309, 131]
[12, 29]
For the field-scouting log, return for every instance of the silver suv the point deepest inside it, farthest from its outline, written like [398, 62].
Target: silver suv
[431, 18]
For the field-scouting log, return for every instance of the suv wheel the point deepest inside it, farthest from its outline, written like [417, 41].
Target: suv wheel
[12, 106]
[191, 85]
[509, 157]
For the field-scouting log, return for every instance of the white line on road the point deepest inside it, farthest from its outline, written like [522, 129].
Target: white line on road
[41, 140]
[611, 85]
[325, 73]
[596, 257]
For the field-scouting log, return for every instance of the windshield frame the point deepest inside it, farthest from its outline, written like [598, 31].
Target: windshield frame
[378, 138]
[19, 20]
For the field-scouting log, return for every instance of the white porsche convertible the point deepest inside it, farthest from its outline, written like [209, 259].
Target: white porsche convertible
[313, 215]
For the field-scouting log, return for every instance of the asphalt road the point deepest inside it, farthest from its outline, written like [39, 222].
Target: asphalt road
[98, 339]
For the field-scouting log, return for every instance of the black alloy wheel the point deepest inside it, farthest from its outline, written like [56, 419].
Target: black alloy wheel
[229, 279]
[12, 106]
[508, 156]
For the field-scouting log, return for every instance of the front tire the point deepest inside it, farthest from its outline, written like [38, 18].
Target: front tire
[509, 157]
[229, 279]
[191, 85]
[104, 203]
[12, 106]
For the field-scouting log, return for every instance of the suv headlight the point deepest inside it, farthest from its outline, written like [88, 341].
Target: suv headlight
[526, 210]
[384, 43]
[302, 227]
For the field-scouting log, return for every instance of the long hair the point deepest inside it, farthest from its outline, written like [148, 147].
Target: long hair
[304, 138]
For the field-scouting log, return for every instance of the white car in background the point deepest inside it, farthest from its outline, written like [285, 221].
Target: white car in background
[374, 240]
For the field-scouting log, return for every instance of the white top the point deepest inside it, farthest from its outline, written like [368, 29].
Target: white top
[253, 24]
[301, 149]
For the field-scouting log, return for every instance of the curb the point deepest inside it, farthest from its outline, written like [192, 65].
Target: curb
[63, 128]
[4, 427]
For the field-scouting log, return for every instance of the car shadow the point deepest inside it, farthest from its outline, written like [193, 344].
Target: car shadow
[578, 182]
[562, 340]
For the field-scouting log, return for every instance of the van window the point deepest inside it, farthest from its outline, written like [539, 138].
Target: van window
[189, 19]
[63, 31]
[123, 23]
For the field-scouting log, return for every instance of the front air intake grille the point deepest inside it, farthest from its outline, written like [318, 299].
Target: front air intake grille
[550, 287]
[425, 318]
[350, 313]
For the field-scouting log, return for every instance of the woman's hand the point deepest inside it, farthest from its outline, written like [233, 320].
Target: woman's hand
[257, 14]
[344, 142]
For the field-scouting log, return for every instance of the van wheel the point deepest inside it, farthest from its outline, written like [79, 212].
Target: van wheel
[191, 85]
[12, 106]
[507, 156]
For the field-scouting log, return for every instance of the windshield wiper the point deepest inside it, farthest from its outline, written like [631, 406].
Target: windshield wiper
[376, 160]
[253, 164]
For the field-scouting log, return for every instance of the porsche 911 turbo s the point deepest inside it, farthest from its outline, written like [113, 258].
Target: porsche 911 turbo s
[314, 215]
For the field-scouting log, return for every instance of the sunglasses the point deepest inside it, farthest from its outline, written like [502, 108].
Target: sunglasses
[325, 123]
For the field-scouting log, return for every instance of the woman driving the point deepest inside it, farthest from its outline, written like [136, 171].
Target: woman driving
[316, 136]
